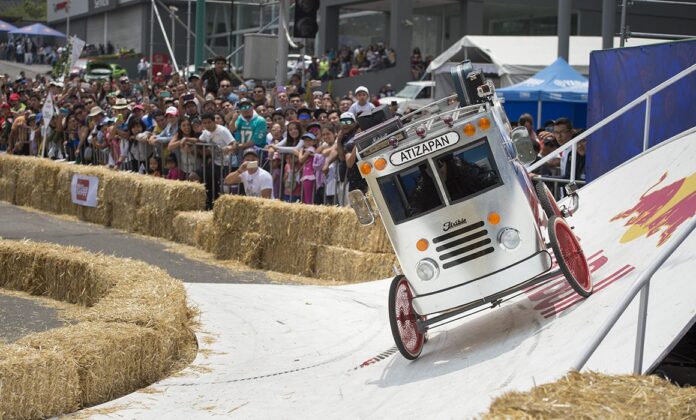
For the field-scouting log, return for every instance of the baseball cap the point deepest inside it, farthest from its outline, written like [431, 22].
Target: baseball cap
[347, 115]
[171, 111]
[313, 124]
[361, 89]
[121, 103]
[95, 111]
[317, 93]
[5, 105]
[250, 151]
[123, 79]
[14, 97]
[194, 76]
[309, 136]
[138, 106]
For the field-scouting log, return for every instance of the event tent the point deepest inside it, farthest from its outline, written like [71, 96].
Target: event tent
[6, 27]
[37, 29]
[516, 58]
[558, 90]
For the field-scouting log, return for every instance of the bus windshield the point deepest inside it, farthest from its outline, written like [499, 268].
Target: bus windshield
[410, 193]
[468, 171]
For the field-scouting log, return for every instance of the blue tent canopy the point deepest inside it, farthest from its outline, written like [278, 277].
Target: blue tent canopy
[37, 29]
[6, 27]
[558, 83]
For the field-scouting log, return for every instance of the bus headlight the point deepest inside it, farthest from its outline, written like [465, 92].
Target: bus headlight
[509, 238]
[427, 269]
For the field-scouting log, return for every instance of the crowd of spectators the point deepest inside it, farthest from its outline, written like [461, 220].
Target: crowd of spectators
[348, 62]
[235, 138]
[26, 50]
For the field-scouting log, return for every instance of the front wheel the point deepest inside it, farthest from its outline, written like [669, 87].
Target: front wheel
[402, 319]
[570, 257]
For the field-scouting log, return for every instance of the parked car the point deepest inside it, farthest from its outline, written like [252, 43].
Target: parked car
[413, 95]
[96, 70]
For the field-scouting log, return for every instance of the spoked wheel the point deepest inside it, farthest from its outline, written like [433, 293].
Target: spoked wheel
[569, 255]
[402, 319]
[546, 199]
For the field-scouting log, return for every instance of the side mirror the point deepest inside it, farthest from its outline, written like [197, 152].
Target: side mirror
[358, 202]
[523, 145]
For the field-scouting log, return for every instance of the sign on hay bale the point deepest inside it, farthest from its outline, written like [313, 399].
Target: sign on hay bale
[136, 329]
[83, 190]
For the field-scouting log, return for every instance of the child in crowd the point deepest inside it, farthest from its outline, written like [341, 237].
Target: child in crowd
[328, 166]
[174, 172]
[139, 148]
[305, 157]
[154, 168]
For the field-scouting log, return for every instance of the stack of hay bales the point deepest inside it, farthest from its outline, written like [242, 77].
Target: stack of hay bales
[596, 396]
[125, 200]
[314, 241]
[194, 228]
[136, 327]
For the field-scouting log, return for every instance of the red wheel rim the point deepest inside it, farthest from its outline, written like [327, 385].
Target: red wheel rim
[573, 255]
[406, 319]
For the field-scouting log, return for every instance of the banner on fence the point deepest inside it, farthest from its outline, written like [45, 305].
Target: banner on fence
[84, 190]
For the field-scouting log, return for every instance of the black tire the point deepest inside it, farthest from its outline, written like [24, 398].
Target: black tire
[546, 199]
[404, 323]
[570, 256]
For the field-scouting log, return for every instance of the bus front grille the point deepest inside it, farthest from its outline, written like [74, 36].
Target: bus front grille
[463, 245]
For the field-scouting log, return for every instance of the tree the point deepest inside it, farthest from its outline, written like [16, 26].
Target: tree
[32, 10]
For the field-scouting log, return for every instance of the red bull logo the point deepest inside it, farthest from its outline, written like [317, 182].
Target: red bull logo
[660, 211]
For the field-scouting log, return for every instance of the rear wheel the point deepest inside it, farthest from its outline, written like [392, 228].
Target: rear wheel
[402, 319]
[569, 255]
[546, 199]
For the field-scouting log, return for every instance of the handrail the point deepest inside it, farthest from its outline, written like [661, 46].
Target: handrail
[642, 284]
[644, 97]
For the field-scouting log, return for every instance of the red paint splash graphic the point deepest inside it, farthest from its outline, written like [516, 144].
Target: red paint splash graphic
[661, 211]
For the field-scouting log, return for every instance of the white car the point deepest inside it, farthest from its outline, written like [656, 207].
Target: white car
[295, 63]
[413, 95]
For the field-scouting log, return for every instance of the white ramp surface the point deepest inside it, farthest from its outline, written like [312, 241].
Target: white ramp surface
[269, 351]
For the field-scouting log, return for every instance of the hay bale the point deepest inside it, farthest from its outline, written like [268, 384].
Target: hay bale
[25, 168]
[189, 226]
[63, 273]
[342, 264]
[124, 195]
[37, 383]
[101, 214]
[45, 178]
[112, 359]
[64, 204]
[206, 238]
[594, 396]
[289, 257]
[7, 190]
[162, 200]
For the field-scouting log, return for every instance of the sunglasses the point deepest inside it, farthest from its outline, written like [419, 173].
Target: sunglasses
[245, 107]
[347, 122]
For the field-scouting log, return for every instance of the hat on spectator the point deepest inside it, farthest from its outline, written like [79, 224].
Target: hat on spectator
[14, 97]
[172, 111]
[304, 111]
[165, 94]
[243, 88]
[95, 111]
[194, 76]
[317, 93]
[347, 116]
[362, 89]
[123, 79]
[313, 124]
[138, 106]
[250, 151]
[121, 103]
[56, 84]
[309, 136]
[5, 105]
[244, 101]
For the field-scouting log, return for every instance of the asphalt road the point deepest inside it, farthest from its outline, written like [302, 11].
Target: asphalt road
[20, 316]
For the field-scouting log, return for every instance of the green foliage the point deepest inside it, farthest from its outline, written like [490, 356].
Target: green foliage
[62, 64]
[32, 10]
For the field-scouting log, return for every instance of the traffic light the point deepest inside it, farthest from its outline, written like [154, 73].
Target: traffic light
[306, 19]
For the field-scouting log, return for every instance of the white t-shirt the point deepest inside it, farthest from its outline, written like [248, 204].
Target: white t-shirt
[356, 108]
[259, 181]
[221, 137]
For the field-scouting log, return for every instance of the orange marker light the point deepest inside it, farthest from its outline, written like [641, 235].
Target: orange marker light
[484, 123]
[493, 218]
[365, 168]
[380, 164]
[422, 245]
[469, 129]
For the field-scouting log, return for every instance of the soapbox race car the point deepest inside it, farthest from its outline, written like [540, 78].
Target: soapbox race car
[469, 225]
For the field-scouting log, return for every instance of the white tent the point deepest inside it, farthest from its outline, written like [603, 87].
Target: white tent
[516, 58]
